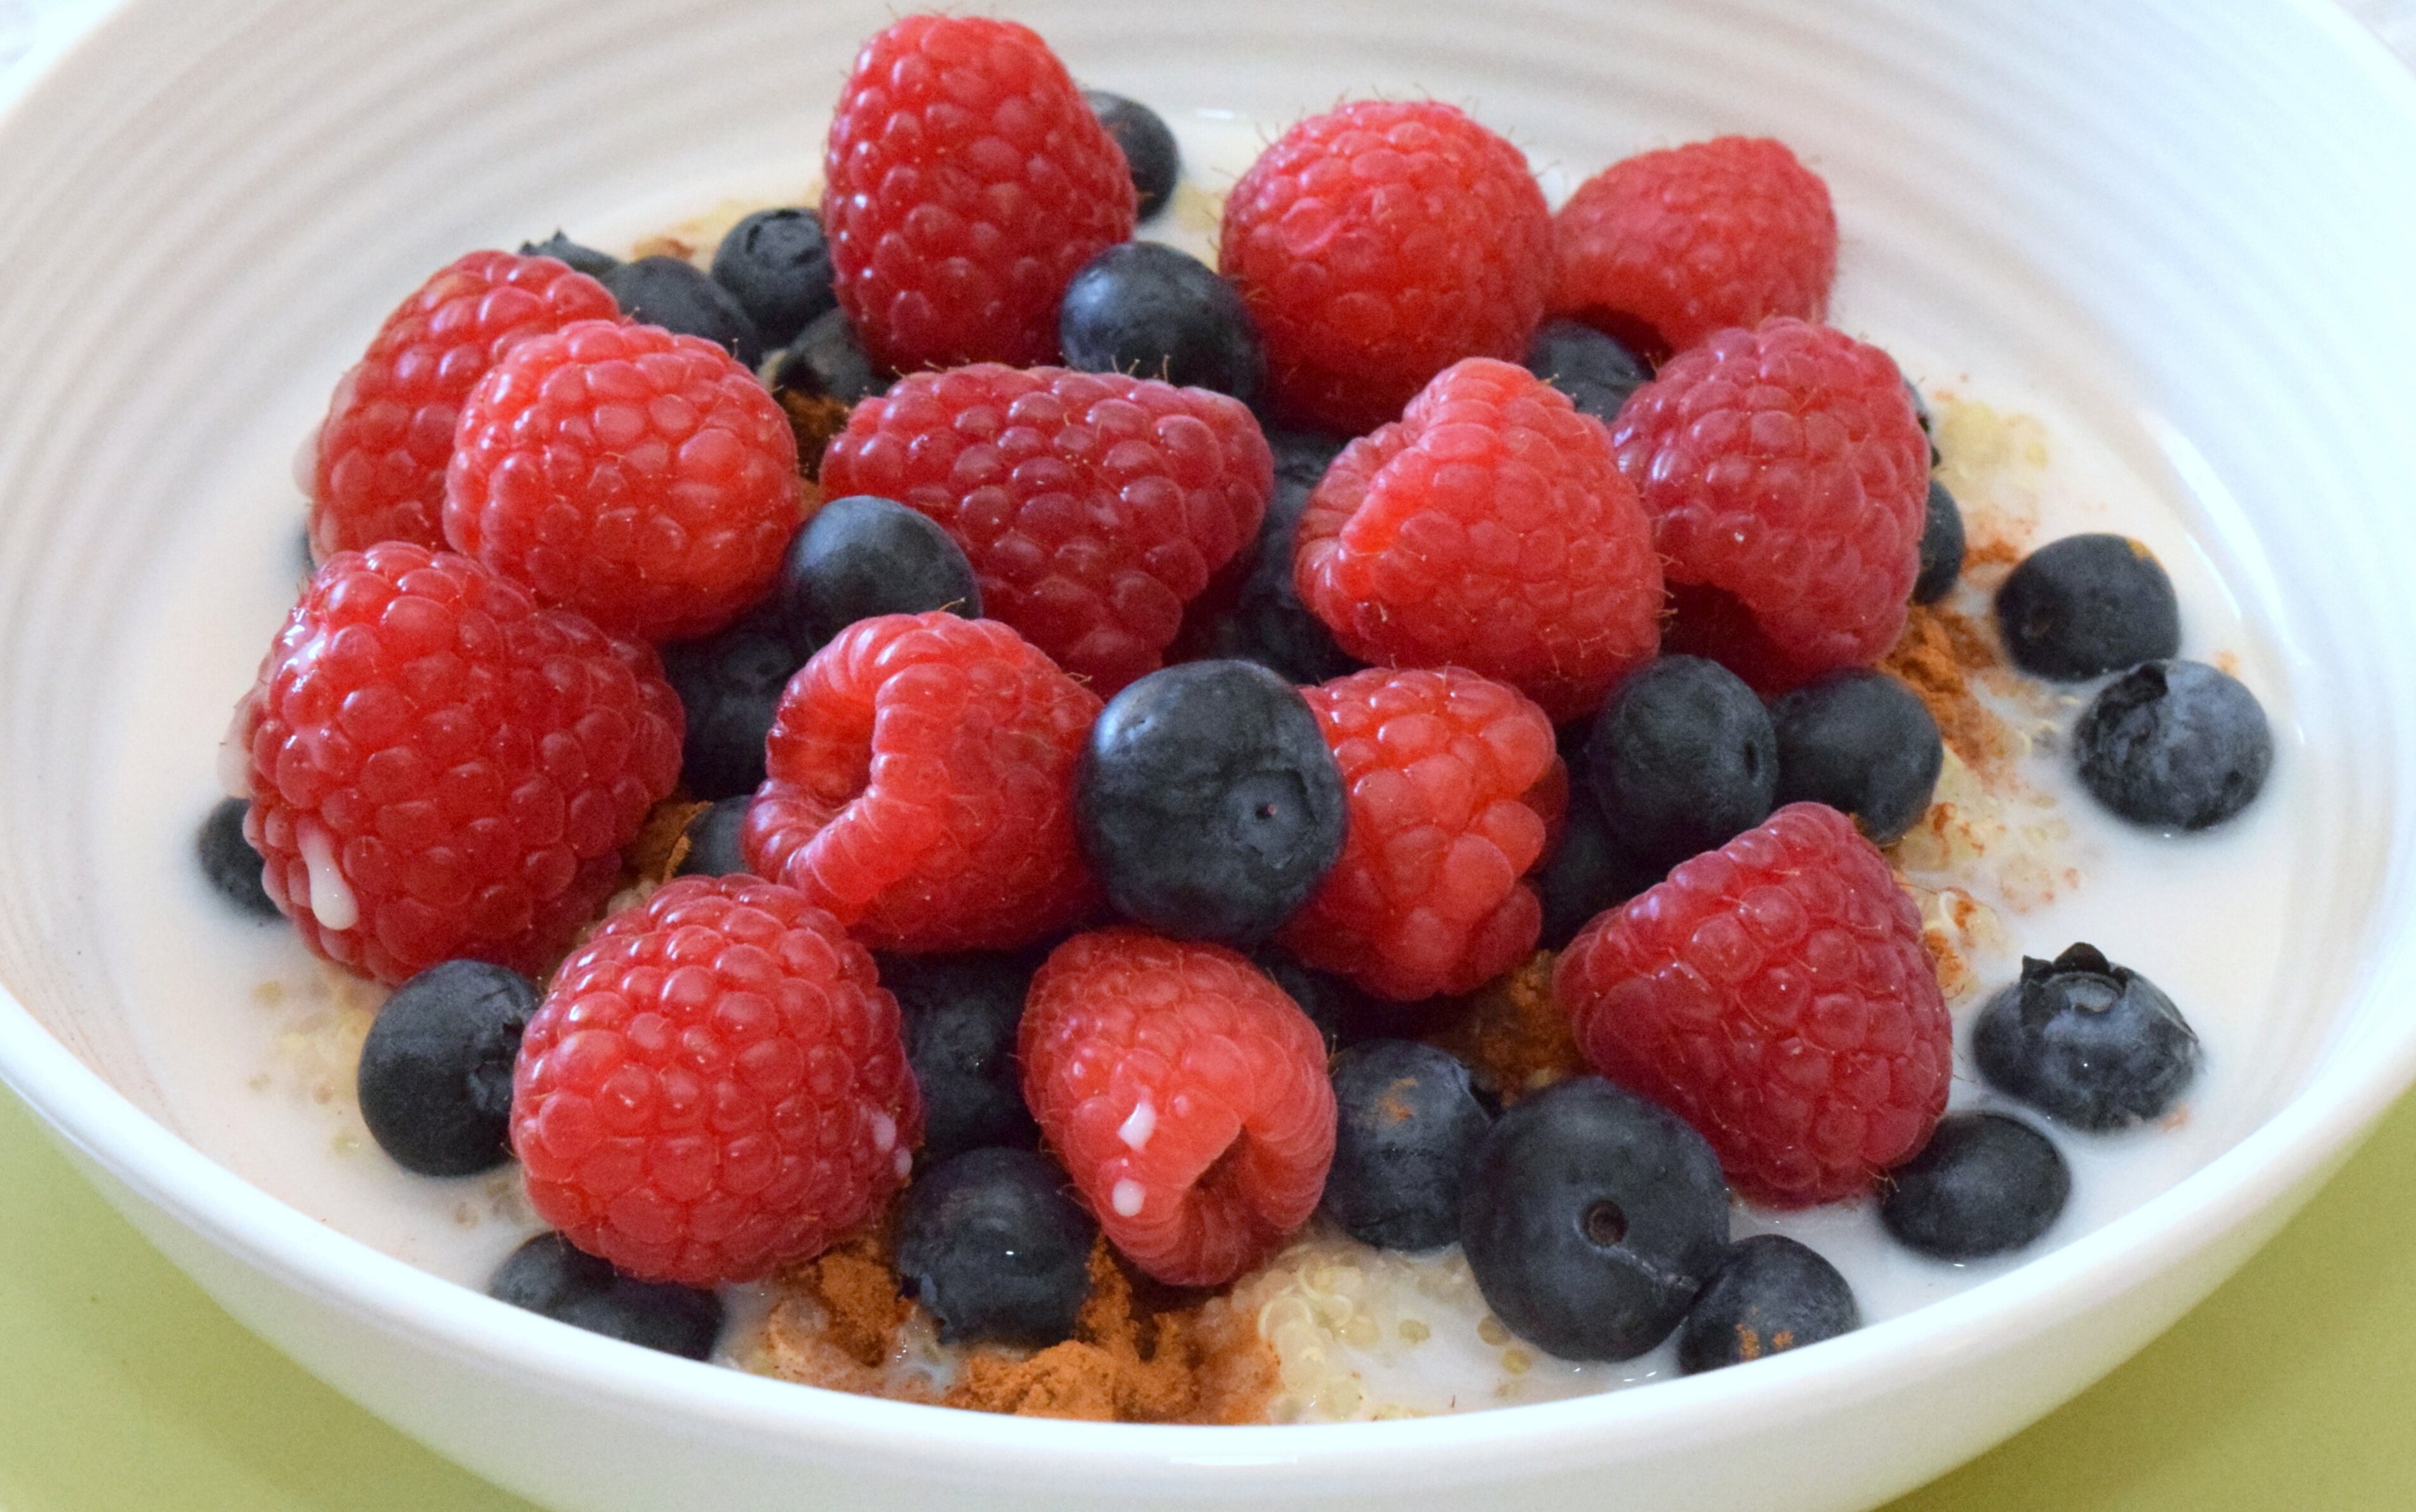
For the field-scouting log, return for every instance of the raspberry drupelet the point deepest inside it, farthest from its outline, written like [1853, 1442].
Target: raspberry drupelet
[966, 178]
[714, 1084]
[439, 768]
[1185, 1094]
[377, 467]
[1491, 528]
[1775, 994]
[920, 786]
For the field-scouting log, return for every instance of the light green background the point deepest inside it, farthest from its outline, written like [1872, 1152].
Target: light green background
[123, 1389]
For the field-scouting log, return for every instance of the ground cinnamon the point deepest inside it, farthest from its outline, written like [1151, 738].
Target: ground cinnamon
[1512, 1034]
[1937, 656]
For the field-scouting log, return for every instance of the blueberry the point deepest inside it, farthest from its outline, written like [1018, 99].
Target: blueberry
[1682, 759]
[1586, 874]
[1208, 803]
[2087, 605]
[826, 363]
[1409, 1120]
[2086, 1042]
[1773, 1294]
[436, 1069]
[1149, 147]
[960, 1016]
[547, 1275]
[1154, 311]
[1268, 624]
[1590, 1219]
[1984, 1184]
[230, 863]
[1596, 371]
[729, 684]
[778, 265]
[680, 297]
[1863, 743]
[715, 846]
[562, 248]
[2174, 744]
[863, 556]
[993, 1247]
[1333, 1004]
[1941, 546]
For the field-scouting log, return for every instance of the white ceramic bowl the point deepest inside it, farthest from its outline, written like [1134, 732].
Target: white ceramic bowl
[2189, 220]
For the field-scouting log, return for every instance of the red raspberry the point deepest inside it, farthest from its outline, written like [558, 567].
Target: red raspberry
[1091, 505]
[1666, 248]
[1489, 528]
[1788, 478]
[1451, 777]
[714, 1084]
[1775, 994]
[377, 472]
[1185, 1094]
[921, 786]
[1378, 244]
[645, 479]
[438, 767]
[966, 180]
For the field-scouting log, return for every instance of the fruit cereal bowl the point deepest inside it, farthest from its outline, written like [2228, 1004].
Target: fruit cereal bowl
[2177, 225]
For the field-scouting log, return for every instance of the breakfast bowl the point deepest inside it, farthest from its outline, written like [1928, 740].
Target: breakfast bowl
[2182, 225]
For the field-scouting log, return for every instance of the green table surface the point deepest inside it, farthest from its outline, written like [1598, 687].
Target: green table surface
[123, 1388]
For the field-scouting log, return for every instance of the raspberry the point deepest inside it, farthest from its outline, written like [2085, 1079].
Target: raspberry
[1450, 778]
[714, 1084]
[1775, 994]
[1788, 480]
[1185, 1094]
[438, 767]
[1378, 244]
[1665, 248]
[1091, 505]
[377, 472]
[921, 786]
[1491, 528]
[966, 180]
[645, 479]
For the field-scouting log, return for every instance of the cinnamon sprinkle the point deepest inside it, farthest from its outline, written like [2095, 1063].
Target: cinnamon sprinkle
[1512, 1034]
[1936, 657]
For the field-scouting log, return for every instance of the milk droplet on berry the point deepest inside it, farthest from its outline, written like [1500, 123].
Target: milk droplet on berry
[1138, 1127]
[331, 897]
[1125, 1197]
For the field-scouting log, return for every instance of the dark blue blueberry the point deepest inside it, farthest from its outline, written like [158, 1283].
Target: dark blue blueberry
[1333, 1004]
[562, 248]
[1268, 624]
[2087, 605]
[1149, 147]
[680, 297]
[230, 863]
[729, 684]
[1983, 1185]
[818, 378]
[1409, 1121]
[1154, 311]
[959, 1013]
[1941, 546]
[863, 556]
[1863, 743]
[1596, 371]
[993, 1247]
[1586, 874]
[1208, 803]
[547, 1275]
[2086, 1042]
[1773, 1296]
[436, 1069]
[716, 846]
[1590, 1219]
[778, 265]
[2174, 744]
[1682, 759]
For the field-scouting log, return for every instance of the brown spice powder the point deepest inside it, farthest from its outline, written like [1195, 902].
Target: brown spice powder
[1512, 1034]
[1937, 656]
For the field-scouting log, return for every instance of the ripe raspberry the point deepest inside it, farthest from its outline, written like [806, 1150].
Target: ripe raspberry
[1788, 481]
[1451, 777]
[921, 786]
[1665, 248]
[645, 479]
[438, 767]
[715, 1085]
[377, 472]
[1091, 505]
[1491, 528]
[1775, 994]
[1185, 1093]
[1378, 244]
[966, 180]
